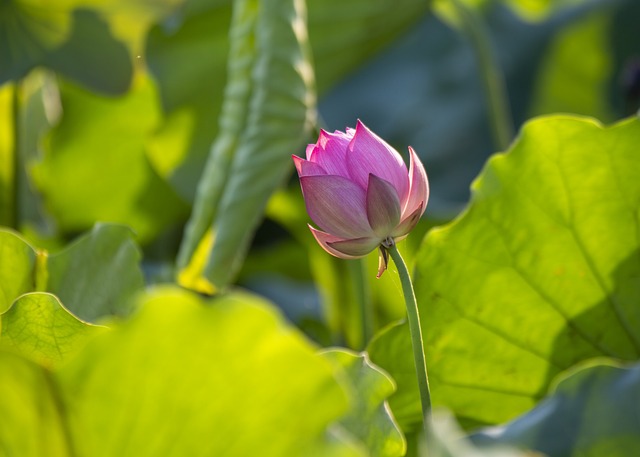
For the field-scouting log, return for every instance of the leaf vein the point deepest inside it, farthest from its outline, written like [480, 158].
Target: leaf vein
[589, 261]
[502, 335]
[544, 296]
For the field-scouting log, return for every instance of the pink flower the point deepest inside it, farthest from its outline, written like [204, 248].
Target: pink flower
[358, 191]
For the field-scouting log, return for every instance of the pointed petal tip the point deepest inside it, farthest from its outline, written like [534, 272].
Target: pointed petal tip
[418, 185]
[368, 153]
[297, 163]
[309, 151]
[307, 168]
[324, 135]
[360, 127]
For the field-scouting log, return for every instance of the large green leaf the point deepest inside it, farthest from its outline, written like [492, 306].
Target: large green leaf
[181, 378]
[592, 412]
[369, 418]
[98, 274]
[540, 273]
[39, 327]
[95, 168]
[268, 113]
[56, 35]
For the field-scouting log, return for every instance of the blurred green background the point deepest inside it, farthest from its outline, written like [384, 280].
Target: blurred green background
[177, 119]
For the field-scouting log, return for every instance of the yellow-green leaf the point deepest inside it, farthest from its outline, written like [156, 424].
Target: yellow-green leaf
[540, 273]
[38, 326]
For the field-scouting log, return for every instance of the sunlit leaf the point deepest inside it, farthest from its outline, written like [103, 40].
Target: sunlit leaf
[592, 412]
[540, 273]
[182, 378]
[369, 418]
[39, 327]
[95, 168]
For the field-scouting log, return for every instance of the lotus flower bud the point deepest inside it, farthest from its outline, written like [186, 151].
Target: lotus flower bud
[358, 191]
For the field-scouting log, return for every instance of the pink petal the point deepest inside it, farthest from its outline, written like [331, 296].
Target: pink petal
[358, 247]
[343, 138]
[418, 185]
[383, 206]
[337, 205]
[324, 239]
[370, 154]
[331, 152]
[407, 224]
[309, 150]
[306, 168]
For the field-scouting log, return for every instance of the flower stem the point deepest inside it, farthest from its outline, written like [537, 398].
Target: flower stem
[492, 78]
[413, 317]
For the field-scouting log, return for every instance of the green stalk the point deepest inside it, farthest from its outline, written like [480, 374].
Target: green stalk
[492, 78]
[413, 316]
